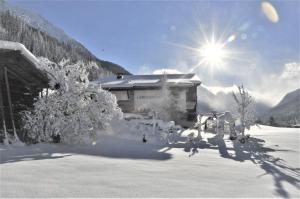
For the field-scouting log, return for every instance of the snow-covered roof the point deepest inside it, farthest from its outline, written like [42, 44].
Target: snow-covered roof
[22, 64]
[15, 46]
[129, 81]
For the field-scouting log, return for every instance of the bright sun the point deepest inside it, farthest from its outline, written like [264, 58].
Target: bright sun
[213, 53]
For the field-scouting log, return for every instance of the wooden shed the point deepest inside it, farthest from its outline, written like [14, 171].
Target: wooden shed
[21, 81]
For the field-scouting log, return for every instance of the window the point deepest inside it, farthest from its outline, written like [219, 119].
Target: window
[121, 95]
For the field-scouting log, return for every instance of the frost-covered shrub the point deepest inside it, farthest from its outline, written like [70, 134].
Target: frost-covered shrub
[245, 109]
[136, 127]
[72, 110]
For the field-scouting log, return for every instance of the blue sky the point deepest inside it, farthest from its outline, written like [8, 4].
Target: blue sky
[143, 36]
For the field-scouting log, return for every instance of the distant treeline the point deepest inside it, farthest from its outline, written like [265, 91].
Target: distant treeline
[288, 121]
[13, 28]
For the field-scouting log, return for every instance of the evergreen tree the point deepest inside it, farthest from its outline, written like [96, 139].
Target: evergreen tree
[272, 121]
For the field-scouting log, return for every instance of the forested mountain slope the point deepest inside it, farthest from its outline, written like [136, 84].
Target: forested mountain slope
[44, 39]
[287, 111]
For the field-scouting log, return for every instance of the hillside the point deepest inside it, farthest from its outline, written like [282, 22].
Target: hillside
[44, 39]
[287, 111]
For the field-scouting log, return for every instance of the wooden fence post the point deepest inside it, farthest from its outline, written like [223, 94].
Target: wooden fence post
[3, 114]
[45, 124]
[10, 104]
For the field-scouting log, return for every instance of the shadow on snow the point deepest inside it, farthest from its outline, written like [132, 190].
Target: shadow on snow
[107, 146]
[254, 151]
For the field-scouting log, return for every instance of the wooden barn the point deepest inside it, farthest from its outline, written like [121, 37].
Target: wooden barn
[20, 83]
[134, 92]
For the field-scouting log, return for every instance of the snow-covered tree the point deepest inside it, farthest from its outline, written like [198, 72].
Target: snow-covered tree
[72, 110]
[245, 109]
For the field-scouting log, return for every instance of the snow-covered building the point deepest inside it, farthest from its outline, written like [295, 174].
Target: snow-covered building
[21, 80]
[137, 93]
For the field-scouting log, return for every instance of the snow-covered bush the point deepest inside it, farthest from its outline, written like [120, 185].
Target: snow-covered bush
[245, 109]
[136, 127]
[72, 111]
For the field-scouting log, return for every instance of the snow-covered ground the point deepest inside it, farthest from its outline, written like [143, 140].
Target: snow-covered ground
[266, 166]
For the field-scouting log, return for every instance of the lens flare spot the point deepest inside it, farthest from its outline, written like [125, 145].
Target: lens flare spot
[244, 36]
[231, 38]
[270, 12]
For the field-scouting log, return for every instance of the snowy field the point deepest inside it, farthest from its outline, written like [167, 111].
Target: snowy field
[266, 166]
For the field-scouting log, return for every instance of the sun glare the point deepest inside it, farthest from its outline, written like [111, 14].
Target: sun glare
[213, 53]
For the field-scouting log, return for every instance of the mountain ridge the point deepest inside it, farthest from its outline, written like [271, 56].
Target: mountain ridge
[56, 38]
[35, 20]
[287, 111]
